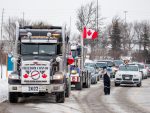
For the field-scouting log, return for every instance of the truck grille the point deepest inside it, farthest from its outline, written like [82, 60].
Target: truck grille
[127, 77]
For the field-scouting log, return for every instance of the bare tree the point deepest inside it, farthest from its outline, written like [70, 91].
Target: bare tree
[87, 16]
[10, 31]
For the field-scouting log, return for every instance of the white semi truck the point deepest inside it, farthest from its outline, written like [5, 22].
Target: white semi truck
[40, 63]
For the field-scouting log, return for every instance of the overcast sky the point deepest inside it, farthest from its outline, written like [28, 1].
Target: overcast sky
[57, 12]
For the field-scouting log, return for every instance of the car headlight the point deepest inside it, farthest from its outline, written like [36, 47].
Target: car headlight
[14, 76]
[136, 75]
[58, 76]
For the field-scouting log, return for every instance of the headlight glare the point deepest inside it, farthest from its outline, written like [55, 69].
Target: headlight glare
[14, 76]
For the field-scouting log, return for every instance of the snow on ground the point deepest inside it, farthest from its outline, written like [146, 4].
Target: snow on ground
[141, 95]
[3, 85]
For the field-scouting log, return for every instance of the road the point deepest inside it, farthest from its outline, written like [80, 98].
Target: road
[122, 100]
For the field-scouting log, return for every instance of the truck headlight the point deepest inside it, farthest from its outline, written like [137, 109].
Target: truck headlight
[14, 76]
[58, 76]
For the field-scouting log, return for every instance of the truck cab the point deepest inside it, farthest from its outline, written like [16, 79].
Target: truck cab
[40, 63]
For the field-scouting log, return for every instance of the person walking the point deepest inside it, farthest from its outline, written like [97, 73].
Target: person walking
[106, 81]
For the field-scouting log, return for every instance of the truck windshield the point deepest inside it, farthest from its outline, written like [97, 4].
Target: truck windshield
[128, 68]
[38, 49]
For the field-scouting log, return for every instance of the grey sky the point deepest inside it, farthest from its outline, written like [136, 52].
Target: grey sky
[57, 12]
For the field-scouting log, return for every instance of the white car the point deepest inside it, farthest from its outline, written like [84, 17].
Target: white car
[143, 69]
[128, 74]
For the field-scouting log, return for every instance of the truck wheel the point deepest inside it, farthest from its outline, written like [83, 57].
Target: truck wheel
[139, 85]
[68, 89]
[13, 97]
[60, 97]
[78, 86]
[116, 84]
[87, 85]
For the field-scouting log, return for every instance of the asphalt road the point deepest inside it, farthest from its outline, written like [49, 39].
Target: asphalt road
[122, 100]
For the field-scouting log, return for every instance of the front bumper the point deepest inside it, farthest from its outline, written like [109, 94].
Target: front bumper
[42, 88]
[133, 81]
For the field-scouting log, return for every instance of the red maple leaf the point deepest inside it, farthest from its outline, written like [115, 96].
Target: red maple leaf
[25, 76]
[89, 32]
[44, 75]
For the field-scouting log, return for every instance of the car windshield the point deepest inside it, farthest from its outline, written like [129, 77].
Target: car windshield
[90, 69]
[118, 62]
[101, 64]
[90, 64]
[141, 66]
[38, 49]
[128, 68]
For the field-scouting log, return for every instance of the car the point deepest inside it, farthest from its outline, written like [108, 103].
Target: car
[148, 69]
[93, 64]
[110, 66]
[142, 68]
[100, 66]
[117, 64]
[93, 74]
[128, 74]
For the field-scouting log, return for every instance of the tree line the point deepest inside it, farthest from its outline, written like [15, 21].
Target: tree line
[116, 39]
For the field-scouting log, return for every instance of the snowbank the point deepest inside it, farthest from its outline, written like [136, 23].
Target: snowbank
[3, 85]
[3, 90]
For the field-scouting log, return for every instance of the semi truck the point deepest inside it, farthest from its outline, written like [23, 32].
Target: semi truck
[40, 63]
[79, 75]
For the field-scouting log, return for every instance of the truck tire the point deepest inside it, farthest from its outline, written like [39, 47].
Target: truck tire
[116, 84]
[87, 84]
[13, 97]
[60, 97]
[79, 85]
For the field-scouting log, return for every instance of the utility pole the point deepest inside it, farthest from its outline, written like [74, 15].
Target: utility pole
[97, 16]
[125, 22]
[23, 18]
[125, 12]
[1, 40]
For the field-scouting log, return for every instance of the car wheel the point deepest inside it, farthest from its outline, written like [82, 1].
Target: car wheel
[139, 85]
[117, 84]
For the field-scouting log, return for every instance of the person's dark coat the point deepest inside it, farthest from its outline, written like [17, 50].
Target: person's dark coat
[106, 80]
[107, 83]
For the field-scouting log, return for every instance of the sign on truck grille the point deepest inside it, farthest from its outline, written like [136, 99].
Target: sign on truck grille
[35, 72]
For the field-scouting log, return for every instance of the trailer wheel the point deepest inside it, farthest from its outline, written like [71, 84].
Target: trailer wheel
[60, 97]
[13, 97]
[88, 81]
[68, 88]
[78, 86]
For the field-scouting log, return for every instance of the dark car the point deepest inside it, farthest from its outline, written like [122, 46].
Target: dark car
[117, 63]
[110, 66]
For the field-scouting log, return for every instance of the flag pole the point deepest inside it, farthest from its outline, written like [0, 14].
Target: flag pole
[82, 52]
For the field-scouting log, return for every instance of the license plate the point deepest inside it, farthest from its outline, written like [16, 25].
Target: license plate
[30, 89]
[127, 77]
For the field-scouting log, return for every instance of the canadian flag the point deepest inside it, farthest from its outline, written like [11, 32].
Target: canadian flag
[89, 33]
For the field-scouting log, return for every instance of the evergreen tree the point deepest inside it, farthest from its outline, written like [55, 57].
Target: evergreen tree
[116, 39]
[145, 37]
